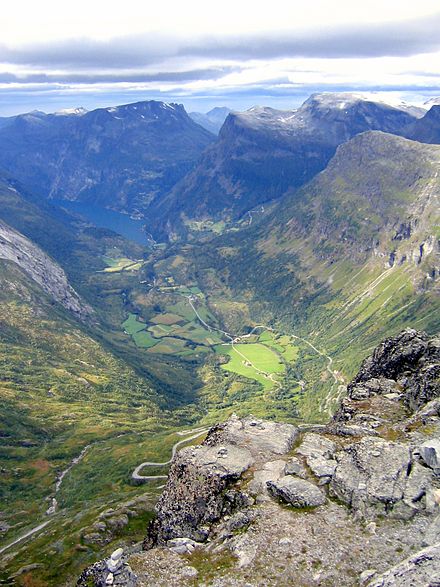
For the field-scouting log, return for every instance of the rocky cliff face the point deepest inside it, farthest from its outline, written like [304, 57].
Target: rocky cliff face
[122, 157]
[263, 152]
[42, 269]
[356, 502]
[426, 129]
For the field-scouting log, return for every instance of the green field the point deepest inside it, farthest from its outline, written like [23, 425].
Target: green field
[132, 325]
[282, 344]
[262, 358]
[167, 318]
[120, 264]
[175, 329]
[144, 339]
[169, 346]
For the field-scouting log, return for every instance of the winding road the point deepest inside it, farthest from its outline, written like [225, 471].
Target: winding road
[136, 476]
[26, 535]
[52, 511]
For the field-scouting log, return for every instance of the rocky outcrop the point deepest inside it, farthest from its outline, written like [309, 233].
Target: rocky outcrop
[407, 364]
[357, 503]
[377, 477]
[420, 570]
[198, 492]
[42, 269]
[111, 522]
[188, 507]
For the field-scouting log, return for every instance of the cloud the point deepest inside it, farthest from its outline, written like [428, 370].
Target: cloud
[403, 38]
[116, 77]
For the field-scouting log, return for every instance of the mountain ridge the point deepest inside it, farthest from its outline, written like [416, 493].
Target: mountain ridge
[121, 157]
[263, 152]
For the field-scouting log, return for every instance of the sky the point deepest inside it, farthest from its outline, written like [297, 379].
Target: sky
[238, 53]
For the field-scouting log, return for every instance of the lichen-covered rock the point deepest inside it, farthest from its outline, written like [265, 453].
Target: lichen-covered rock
[408, 362]
[375, 476]
[420, 570]
[297, 492]
[295, 467]
[430, 453]
[193, 497]
[263, 438]
[318, 452]
[271, 471]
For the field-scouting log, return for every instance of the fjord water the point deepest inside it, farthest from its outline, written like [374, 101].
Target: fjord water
[123, 224]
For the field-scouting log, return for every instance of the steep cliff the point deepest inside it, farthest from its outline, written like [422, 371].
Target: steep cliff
[42, 269]
[263, 152]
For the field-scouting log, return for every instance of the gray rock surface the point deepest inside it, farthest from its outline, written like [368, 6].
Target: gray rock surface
[297, 492]
[318, 452]
[261, 437]
[41, 268]
[419, 570]
[374, 476]
[194, 496]
[182, 545]
[430, 453]
[271, 471]
[295, 467]
[411, 360]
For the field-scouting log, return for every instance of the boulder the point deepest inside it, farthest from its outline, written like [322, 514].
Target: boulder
[297, 492]
[430, 454]
[296, 468]
[271, 471]
[318, 452]
[374, 386]
[419, 570]
[194, 496]
[182, 545]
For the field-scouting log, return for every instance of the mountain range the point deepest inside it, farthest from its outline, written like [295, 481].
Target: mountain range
[261, 153]
[121, 157]
[213, 119]
[281, 252]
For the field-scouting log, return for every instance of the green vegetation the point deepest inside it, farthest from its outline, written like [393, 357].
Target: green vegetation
[120, 264]
[255, 361]
[132, 325]
[323, 284]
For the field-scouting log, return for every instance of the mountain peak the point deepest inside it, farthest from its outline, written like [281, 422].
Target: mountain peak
[71, 111]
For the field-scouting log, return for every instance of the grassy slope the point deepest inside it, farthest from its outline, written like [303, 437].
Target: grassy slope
[319, 265]
[64, 385]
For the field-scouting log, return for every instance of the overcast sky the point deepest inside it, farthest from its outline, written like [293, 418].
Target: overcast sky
[57, 54]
